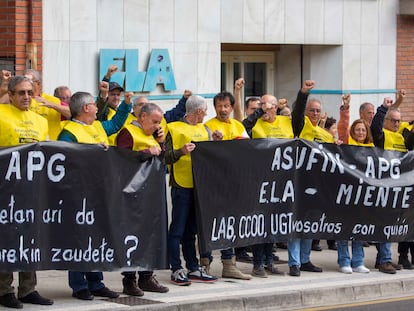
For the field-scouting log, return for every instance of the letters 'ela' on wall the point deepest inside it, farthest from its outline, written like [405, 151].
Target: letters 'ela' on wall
[159, 70]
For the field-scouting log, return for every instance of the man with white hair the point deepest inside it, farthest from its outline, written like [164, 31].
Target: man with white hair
[183, 227]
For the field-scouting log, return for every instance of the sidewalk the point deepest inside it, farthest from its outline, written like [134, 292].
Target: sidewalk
[272, 293]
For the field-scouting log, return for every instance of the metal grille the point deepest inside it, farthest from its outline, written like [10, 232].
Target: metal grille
[133, 301]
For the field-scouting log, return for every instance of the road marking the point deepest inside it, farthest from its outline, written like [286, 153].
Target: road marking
[355, 304]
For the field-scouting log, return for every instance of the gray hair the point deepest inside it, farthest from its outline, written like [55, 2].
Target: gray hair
[77, 101]
[390, 110]
[313, 100]
[137, 101]
[148, 108]
[59, 90]
[195, 102]
[364, 106]
[17, 80]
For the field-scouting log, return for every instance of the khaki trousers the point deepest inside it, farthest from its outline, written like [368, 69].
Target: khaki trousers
[27, 283]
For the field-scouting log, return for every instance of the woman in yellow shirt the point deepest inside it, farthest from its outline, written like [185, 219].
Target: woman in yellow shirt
[360, 134]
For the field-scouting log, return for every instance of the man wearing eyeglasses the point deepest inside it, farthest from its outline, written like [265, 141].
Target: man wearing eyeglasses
[305, 117]
[385, 128]
[18, 126]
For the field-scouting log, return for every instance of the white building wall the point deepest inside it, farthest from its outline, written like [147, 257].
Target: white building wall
[349, 44]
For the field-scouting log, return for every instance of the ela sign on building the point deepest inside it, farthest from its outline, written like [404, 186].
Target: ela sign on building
[159, 69]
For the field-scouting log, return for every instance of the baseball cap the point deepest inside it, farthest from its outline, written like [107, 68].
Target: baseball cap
[114, 86]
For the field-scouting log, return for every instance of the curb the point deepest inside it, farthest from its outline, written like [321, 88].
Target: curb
[291, 300]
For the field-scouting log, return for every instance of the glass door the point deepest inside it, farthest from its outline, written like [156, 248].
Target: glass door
[255, 67]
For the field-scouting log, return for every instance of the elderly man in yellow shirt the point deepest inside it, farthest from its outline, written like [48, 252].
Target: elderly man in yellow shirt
[19, 126]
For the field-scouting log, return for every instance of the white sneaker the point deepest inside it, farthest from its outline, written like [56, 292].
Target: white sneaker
[361, 269]
[346, 269]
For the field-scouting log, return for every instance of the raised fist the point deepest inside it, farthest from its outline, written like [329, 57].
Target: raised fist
[239, 83]
[307, 86]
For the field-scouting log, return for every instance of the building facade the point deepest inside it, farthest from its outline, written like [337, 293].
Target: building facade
[359, 46]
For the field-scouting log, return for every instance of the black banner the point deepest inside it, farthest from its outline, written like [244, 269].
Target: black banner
[268, 190]
[81, 207]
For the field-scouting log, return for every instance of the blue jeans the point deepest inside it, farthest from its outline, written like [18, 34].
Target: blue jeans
[357, 254]
[183, 228]
[85, 280]
[384, 253]
[263, 254]
[299, 252]
[225, 254]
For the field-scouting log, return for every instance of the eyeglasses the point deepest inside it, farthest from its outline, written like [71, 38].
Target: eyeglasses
[24, 92]
[314, 110]
[64, 97]
[139, 104]
[94, 104]
[393, 120]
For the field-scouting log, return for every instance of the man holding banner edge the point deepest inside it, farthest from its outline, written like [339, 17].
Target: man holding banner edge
[16, 129]
[183, 228]
[83, 128]
[384, 127]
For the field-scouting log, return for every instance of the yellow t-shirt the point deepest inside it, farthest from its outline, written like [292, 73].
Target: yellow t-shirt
[182, 133]
[53, 117]
[87, 134]
[315, 133]
[281, 127]
[231, 130]
[141, 140]
[394, 141]
[19, 127]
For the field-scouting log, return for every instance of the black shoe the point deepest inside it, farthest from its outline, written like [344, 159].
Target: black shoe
[294, 271]
[282, 245]
[271, 269]
[316, 247]
[36, 299]
[152, 285]
[333, 247]
[277, 260]
[105, 292]
[403, 260]
[309, 267]
[10, 301]
[131, 288]
[83, 294]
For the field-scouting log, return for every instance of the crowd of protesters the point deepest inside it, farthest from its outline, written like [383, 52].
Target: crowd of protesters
[141, 126]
